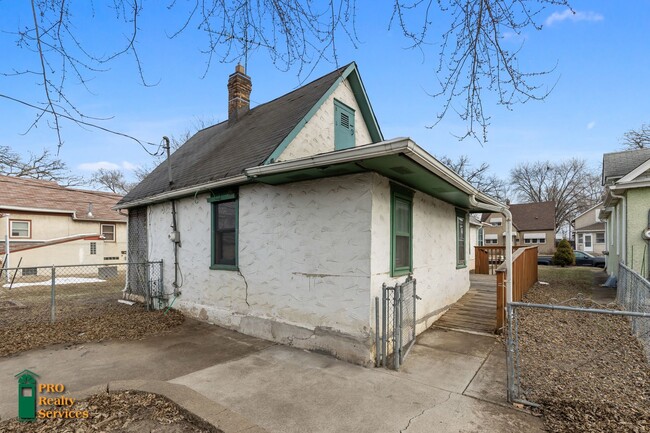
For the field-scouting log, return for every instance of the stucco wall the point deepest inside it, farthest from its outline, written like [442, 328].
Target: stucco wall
[304, 264]
[638, 205]
[317, 136]
[439, 283]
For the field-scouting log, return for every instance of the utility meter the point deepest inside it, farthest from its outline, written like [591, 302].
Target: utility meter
[646, 234]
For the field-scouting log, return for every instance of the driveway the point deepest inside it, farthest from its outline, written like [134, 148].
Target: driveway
[451, 382]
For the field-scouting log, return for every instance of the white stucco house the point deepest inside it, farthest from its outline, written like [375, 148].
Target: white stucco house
[290, 215]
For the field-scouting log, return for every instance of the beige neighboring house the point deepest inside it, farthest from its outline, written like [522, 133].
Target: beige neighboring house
[475, 238]
[590, 231]
[532, 224]
[53, 225]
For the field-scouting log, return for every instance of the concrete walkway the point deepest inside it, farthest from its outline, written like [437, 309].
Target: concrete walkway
[451, 382]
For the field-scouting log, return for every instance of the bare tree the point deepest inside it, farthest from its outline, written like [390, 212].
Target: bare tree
[478, 176]
[473, 59]
[37, 166]
[112, 180]
[571, 184]
[637, 138]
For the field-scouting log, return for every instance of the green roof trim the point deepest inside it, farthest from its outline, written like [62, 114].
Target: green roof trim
[350, 73]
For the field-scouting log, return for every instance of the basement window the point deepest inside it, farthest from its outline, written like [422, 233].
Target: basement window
[224, 239]
[343, 126]
[401, 215]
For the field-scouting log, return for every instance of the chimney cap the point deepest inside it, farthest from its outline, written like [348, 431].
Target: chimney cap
[240, 68]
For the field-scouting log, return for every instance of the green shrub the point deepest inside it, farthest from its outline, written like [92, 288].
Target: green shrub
[564, 254]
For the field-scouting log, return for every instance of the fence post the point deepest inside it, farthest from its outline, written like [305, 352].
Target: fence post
[377, 346]
[415, 316]
[397, 342]
[52, 296]
[509, 357]
[384, 325]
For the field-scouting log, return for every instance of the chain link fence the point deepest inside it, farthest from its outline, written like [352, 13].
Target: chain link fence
[56, 293]
[583, 359]
[395, 323]
[633, 294]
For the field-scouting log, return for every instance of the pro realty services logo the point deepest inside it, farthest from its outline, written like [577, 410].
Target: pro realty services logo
[45, 400]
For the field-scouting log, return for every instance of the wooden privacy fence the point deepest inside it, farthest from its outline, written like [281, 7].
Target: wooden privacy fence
[524, 275]
[489, 257]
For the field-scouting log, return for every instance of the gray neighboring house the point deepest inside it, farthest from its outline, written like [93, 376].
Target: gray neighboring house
[286, 219]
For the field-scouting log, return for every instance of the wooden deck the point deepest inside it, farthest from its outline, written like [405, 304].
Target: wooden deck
[476, 310]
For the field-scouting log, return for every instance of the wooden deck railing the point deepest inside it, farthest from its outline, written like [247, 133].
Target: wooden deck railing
[489, 257]
[524, 275]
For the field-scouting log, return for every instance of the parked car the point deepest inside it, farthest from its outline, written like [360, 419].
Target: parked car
[582, 259]
[586, 259]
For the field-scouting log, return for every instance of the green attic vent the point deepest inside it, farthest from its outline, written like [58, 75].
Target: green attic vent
[343, 126]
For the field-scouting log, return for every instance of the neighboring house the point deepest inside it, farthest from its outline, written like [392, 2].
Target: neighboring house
[590, 231]
[533, 224]
[626, 209]
[291, 215]
[475, 238]
[53, 225]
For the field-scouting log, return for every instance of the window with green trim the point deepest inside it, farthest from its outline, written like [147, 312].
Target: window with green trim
[225, 210]
[461, 236]
[401, 254]
[343, 126]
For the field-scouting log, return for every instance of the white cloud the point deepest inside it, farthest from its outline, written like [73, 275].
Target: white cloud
[126, 165]
[567, 14]
[591, 124]
[92, 166]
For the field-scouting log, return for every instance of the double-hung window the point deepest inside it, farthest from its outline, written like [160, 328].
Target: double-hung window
[461, 236]
[401, 213]
[20, 229]
[108, 232]
[225, 216]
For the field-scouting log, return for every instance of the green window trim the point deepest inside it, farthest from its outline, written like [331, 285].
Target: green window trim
[216, 201]
[343, 126]
[401, 201]
[461, 238]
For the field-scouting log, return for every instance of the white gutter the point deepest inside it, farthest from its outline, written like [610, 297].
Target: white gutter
[390, 147]
[36, 209]
[168, 195]
[621, 244]
[6, 261]
[502, 209]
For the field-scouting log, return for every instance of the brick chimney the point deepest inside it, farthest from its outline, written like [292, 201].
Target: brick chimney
[239, 93]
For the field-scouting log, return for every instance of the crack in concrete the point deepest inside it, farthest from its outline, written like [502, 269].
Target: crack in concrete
[423, 412]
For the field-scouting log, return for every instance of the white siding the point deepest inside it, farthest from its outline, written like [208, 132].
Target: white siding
[304, 264]
[317, 136]
[439, 283]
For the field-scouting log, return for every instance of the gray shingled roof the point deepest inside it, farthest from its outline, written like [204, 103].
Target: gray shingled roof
[618, 164]
[226, 149]
[534, 216]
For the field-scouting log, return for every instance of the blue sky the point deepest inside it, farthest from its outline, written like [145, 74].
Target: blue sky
[601, 89]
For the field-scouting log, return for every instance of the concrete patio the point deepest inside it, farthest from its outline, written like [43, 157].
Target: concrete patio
[451, 382]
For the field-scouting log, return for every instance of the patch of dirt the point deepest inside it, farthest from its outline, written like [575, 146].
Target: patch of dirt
[588, 371]
[124, 412]
[98, 322]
